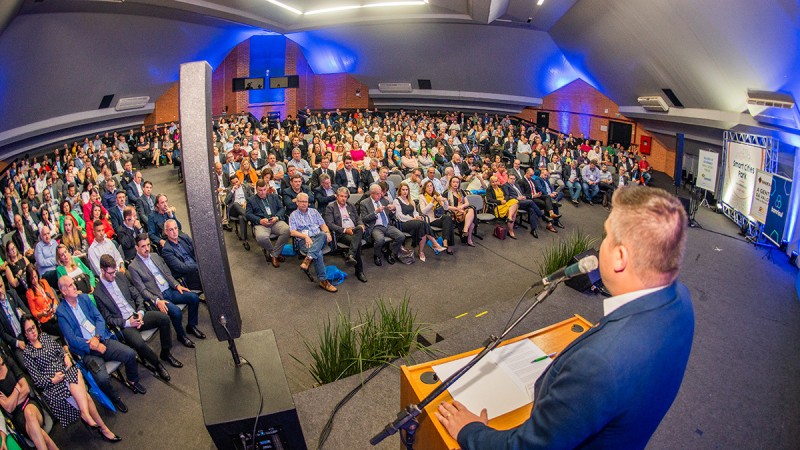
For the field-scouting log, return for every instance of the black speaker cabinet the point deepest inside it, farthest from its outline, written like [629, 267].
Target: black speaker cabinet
[587, 280]
[229, 396]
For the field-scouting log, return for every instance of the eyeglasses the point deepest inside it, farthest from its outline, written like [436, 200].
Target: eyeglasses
[111, 272]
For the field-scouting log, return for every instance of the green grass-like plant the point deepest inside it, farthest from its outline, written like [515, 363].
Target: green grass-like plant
[350, 344]
[561, 253]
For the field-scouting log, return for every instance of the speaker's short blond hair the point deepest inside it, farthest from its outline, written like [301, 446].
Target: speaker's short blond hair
[651, 223]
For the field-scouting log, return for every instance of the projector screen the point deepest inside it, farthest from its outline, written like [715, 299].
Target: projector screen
[742, 161]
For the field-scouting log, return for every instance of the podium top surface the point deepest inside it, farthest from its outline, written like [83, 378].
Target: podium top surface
[553, 338]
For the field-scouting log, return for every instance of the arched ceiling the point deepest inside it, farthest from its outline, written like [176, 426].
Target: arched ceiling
[59, 57]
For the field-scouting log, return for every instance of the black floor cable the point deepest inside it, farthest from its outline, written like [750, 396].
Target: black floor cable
[326, 430]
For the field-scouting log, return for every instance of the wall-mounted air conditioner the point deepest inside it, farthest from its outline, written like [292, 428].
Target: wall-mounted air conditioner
[653, 103]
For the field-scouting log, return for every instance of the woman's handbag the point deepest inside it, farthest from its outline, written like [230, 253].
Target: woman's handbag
[500, 232]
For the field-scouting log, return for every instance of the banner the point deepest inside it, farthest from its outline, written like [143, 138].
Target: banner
[779, 200]
[741, 164]
[761, 194]
[707, 171]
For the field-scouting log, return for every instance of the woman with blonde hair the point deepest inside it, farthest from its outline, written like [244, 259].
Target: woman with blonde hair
[496, 195]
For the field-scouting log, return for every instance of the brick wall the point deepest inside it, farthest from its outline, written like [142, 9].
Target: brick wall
[579, 108]
[166, 109]
[338, 90]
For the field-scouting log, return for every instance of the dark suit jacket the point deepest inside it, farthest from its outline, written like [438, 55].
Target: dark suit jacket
[9, 221]
[133, 194]
[176, 262]
[143, 209]
[127, 240]
[322, 199]
[255, 208]
[115, 215]
[30, 236]
[229, 197]
[610, 387]
[145, 282]
[540, 185]
[341, 178]
[565, 173]
[314, 182]
[491, 198]
[368, 216]
[462, 167]
[367, 179]
[71, 329]
[108, 307]
[333, 218]
[290, 194]
[5, 325]
[519, 173]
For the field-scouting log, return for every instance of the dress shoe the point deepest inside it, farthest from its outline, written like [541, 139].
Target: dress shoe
[551, 229]
[276, 262]
[464, 238]
[534, 233]
[512, 236]
[108, 439]
[361, 277]
[575, 202]
[246, 245]
[390, 258]
[227, 227]
[162, 372]
[119, 405]
[137, 387]
[195, 331]
[553, 215]
[557, 204]
[281, 258]
[171, 360]
[186, 341]
[449, 251]
[327, 286]
[378, 261]
[558, 224]
[306, 262]
[350, 260]
[89, 427]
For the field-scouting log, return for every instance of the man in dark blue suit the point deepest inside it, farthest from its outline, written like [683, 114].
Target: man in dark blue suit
[87, 336]
[178, 253]
[611, 387]
[267, 213]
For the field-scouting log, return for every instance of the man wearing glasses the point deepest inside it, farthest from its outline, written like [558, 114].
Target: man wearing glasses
[308, 227]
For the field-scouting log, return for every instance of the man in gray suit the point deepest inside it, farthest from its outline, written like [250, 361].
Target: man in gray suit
[154, 281]
[343, 220]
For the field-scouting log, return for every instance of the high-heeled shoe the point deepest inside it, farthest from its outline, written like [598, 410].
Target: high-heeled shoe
[108, 439]
[90, 427]
[422, 257]
[449, 252]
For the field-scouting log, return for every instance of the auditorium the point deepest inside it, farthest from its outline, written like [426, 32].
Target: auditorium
[284, 224]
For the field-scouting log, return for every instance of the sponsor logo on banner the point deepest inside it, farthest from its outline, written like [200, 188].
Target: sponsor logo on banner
[740, 175]
[779, 200]
[761, 193]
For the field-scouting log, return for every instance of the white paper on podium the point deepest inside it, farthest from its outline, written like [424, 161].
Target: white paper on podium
[501, 382]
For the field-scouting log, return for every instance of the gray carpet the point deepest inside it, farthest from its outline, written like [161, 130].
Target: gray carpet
[742, 387]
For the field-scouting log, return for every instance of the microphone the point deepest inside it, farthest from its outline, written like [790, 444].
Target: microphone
[585, 265]
[231, 344]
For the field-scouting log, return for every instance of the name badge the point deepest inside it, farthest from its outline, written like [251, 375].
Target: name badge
[88, 326]
[160, 279]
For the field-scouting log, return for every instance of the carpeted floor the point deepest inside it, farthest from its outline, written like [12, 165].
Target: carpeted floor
[742, 387]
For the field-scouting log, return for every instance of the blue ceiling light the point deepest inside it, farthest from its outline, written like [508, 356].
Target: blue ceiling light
[323, 55]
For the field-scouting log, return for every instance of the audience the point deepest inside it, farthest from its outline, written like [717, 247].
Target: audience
[25, 412]
[311, 233]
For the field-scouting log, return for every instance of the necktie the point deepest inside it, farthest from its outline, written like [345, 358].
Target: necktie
[384, 219]
[533, 189]
[12, 317]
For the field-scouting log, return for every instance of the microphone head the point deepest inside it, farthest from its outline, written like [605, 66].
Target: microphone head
[588, 264]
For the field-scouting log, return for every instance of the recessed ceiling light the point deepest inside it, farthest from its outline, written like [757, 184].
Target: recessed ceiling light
[540, 3]
[285, 6]
[368, 5]
[333, 9]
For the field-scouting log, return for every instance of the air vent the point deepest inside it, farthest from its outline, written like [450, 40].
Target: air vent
[395, 87]
[106, 101]
[424, 84]
[672, 97]
[653, 103]
[773, 108]
[127, 103]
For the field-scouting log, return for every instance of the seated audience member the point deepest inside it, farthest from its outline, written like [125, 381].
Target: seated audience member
[550, 199]
[31, 218]
[343, 220]
[45, 253]
[414, 182]
[308, 227]
[296, 187]
[266, 212]
[87, 336]
[606, 183]
[179, 255]
[408, 161]
[555, 169]
[135, 188]
[154, 281]
[235, 203]
[146, 203]
[11, 310]
[348, 177]
[71, 215]
[75, 268]
[60, 380]
[323, 169]
[98, 215]
[435, 207]
[572, 180]
[46, 221]
[286, 182]
[155, 223]
[94, 199]
[370, 174]
[123, 307]
[25, 412]
[301, 165]
[115, 212]
[103, 246]
[42, 301]
[505, 207]
[431, 176]
[246, 174]
[15, 268]
[411, 222]
[9, 209]
[644, 171]
[590, 175]
[109, 196]
[521, 190]
[383, 177]
[377, 214]
[24, 237]
[620, 179]
[463, 214]
[325, 193]
[126, 234]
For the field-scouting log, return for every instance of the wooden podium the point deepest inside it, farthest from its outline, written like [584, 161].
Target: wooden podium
[431, 435]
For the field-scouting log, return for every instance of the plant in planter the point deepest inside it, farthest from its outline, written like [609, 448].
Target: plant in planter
[561, 253]
[350, 344]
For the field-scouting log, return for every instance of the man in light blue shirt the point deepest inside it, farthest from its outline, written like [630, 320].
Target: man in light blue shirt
[591, 180]
[45, 252]
[309, 228]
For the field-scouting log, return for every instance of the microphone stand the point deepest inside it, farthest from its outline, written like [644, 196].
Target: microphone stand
[407, 422]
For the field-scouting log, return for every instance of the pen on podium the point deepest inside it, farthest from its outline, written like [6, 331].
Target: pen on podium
[542, 358]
